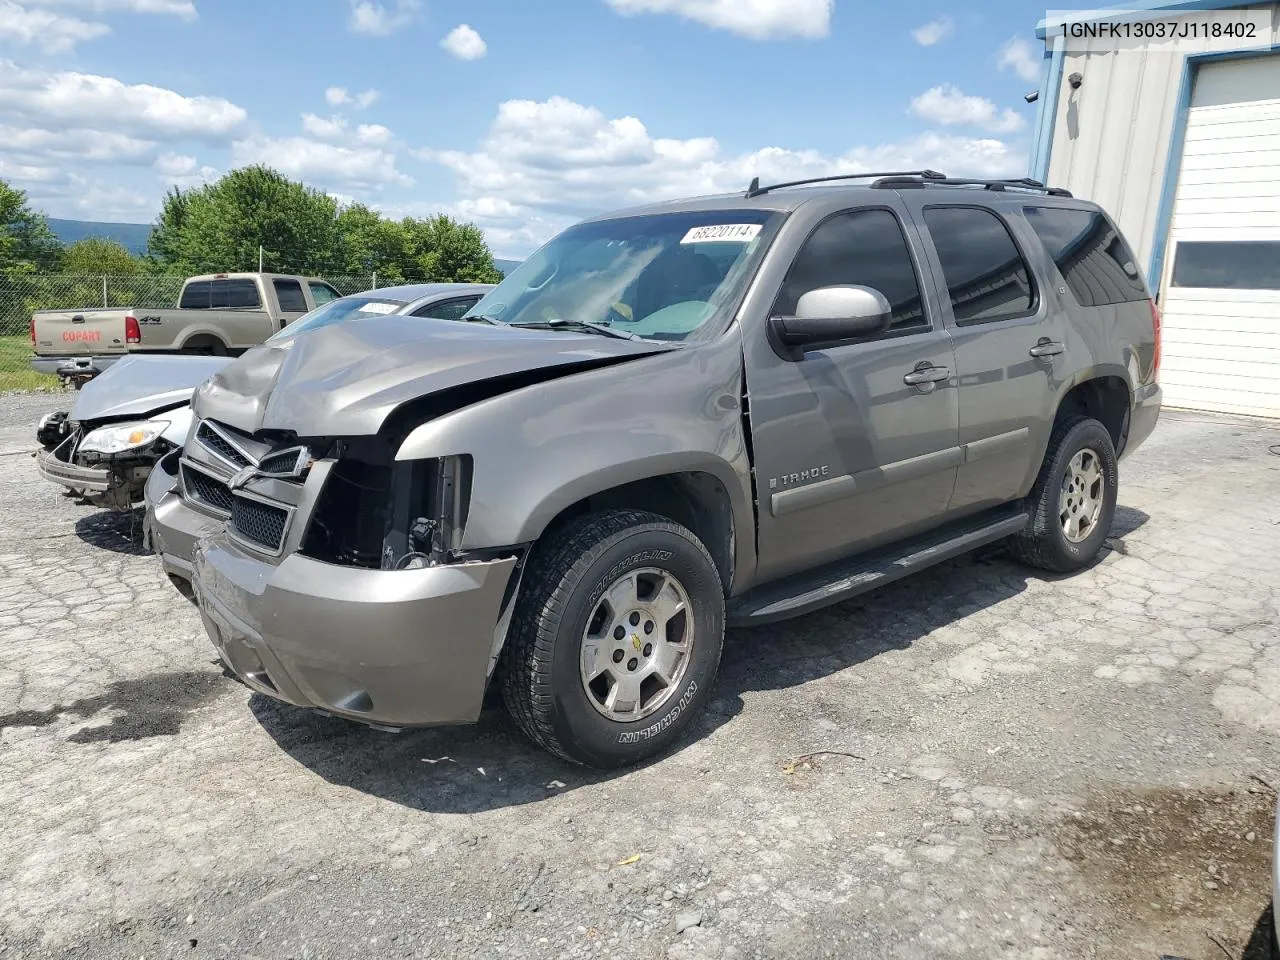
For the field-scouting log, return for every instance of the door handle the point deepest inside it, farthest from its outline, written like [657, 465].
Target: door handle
[923, 375]
[1047, 348]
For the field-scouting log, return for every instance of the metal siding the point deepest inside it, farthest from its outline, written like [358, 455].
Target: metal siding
[1111, 138]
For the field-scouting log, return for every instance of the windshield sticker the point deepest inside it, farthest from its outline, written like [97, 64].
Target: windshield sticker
[723, 233]
[377, 307]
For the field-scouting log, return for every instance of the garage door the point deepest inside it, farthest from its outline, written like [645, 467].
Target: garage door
[1221, 300]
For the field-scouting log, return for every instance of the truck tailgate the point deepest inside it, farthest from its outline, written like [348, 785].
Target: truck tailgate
[79, 332]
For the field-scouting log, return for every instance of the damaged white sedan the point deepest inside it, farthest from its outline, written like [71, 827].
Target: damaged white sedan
[123, 421]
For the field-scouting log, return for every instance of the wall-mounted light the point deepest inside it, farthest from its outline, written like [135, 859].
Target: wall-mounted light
[1032, 97]
[1075, 80]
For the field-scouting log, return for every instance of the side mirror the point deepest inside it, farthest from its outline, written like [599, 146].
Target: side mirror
[831, 315]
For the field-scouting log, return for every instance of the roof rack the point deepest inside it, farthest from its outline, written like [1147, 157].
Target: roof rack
[755, 190]
[908, 181]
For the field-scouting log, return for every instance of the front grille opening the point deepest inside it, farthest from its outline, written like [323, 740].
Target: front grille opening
[352, 515]
[286, 461]
[259, 523]
[220, 445]
[205, 489]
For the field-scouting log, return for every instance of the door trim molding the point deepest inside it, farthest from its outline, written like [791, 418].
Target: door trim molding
[837, 488]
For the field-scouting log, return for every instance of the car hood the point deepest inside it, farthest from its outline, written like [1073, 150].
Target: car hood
[139, 385]
[345, 380]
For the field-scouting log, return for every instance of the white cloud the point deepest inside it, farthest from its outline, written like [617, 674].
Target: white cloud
[380, 20]
[374, 134]
[53, 32]
[342, 97]
[99, 145]
[183, 171]
[464, 43]
[935, 31]
[185, 9]
[326, 128]
[951, 106]
[756, 19]
[1019, 56]
[545, 164]
[325, 164]
[175, 165]
[104, 103]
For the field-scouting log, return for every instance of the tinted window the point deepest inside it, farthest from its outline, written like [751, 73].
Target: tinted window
[986, 277]
[1228, 264]
[864, 247]
[447, 309]
[195, 296]
[1090, 254]
[240, 293]
[289, 293]
[322, 293]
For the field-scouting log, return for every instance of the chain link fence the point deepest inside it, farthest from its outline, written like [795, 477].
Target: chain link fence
[20, 296]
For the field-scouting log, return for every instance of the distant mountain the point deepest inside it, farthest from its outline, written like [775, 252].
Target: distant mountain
[506, 266]
[131, 236]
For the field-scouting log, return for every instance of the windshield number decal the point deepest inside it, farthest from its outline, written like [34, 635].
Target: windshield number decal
[723, 233]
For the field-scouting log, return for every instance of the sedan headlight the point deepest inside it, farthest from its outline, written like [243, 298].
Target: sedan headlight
[123, 437]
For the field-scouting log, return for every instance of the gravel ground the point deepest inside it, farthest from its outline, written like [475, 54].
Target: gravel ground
[999, 764]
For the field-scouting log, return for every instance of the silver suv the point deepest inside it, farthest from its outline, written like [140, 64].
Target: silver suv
[727, 410]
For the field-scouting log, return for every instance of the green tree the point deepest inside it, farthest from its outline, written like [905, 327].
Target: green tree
[221, 226]
[448, 251]
[164, 244]
[367, 243]
[27, 245]
[96, 256]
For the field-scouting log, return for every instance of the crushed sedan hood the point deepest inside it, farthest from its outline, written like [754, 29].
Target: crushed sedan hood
[345, 380]
[139, 385]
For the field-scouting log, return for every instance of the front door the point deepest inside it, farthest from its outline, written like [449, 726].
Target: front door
[855, 444]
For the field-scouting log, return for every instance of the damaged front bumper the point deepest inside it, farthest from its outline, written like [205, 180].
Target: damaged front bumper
[391, 648]
[171, 528]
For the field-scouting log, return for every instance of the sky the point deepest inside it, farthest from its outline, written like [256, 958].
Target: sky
[521, 116]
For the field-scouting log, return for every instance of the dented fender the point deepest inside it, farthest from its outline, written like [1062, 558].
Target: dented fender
[541, 448]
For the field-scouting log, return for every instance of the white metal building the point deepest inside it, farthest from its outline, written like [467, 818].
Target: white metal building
[1182, 148]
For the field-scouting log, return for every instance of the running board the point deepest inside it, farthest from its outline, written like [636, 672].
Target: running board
[806, 592]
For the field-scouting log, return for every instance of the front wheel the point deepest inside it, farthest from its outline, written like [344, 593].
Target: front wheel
[615, 639]
[1073, 501]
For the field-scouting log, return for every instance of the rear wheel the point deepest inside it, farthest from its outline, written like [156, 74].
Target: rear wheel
[1073, 501]
[205, 347]
[615, 639]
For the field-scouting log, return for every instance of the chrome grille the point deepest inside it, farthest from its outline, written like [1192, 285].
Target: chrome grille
[285, 462]
[259, 523]
[202, 488]
[220, 445]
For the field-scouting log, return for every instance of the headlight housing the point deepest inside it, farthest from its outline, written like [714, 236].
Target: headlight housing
[119, 438]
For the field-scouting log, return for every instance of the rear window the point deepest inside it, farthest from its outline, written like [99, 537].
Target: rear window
[1228, 264]
[289, 293]
[986, 277]
[195, 295]
[1090, 254]
[240, 294]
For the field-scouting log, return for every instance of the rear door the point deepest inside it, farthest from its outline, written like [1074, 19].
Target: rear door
[1009, 340]
[241, 318]
[290, 297]
[852, 446]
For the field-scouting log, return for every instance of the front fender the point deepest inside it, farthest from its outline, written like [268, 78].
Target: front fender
[541, 448]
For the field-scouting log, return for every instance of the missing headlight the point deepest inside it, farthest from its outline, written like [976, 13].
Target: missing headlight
[385, 515]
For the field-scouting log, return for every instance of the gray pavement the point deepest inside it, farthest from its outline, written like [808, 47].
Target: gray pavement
[1019, 766]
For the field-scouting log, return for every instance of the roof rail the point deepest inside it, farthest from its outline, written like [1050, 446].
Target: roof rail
[909, 181]
[755, 190]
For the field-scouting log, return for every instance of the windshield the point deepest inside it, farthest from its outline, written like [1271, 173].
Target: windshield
[662, 276]
[339, 311]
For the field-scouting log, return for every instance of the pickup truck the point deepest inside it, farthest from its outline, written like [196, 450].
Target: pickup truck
[219, 315]
[722, 411]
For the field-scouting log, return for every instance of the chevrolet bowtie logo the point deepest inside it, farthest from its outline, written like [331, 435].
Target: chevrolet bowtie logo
[242, 477]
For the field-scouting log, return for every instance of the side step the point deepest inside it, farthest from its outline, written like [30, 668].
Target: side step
[812, 590]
